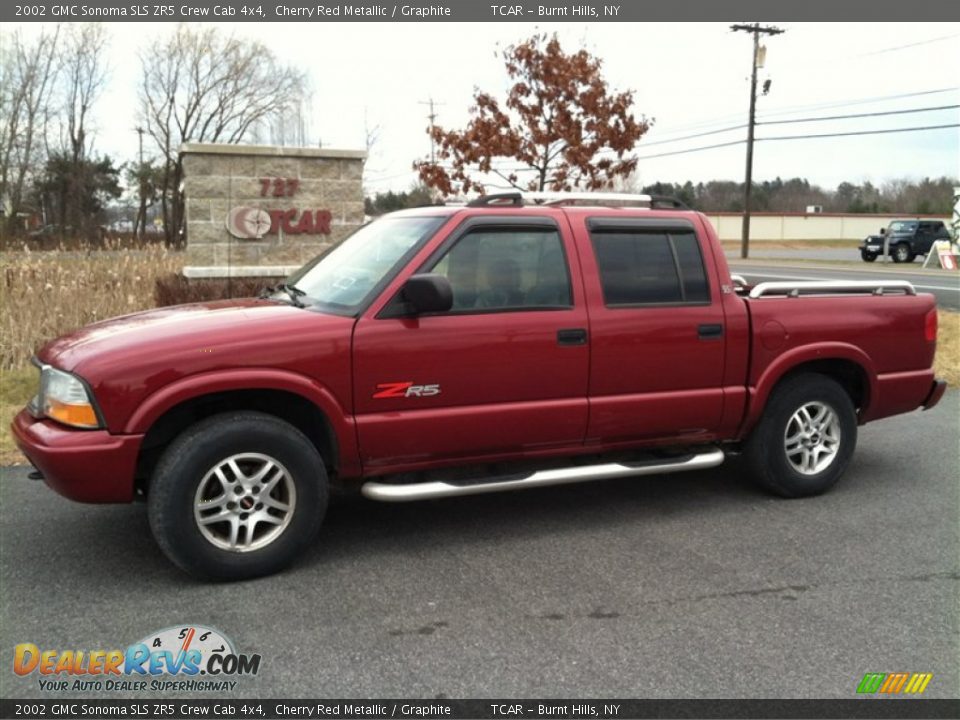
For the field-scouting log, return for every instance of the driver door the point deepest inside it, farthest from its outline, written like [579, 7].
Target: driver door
[503, 373]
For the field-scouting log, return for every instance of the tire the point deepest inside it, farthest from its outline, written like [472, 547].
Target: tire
[794, 474]
[902, 253]
[868, 256]
[224, 454]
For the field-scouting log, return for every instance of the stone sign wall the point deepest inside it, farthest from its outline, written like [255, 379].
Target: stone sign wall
[256, 206]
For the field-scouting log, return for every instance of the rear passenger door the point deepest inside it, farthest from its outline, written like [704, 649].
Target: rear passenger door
[657, 331]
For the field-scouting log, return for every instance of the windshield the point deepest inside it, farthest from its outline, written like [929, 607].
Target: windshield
[341, 279]
[902, 227]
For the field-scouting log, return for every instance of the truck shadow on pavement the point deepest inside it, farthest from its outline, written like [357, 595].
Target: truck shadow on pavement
[108, 541]
[357, 528]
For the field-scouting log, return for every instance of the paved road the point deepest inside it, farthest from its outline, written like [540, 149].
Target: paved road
[945, 286]
[759, 252]
[690, 585]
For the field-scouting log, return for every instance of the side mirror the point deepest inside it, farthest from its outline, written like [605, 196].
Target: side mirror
[883, 231]
[428, 293]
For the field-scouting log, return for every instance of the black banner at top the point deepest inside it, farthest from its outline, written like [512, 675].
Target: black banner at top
[491, 709]
[321, 11]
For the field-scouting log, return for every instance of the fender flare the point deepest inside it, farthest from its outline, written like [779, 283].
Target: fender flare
[795, 357]
[195, 386]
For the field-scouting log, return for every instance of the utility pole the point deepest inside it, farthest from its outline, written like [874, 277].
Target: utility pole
[757, 30]
[431, 117]
[141, 224]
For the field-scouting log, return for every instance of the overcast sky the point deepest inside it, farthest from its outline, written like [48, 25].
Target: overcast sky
[689, 77]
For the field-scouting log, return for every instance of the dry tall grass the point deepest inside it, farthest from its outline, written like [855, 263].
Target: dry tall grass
[46, 294]
[947, 363]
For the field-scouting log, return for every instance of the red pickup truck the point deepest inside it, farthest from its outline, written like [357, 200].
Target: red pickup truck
[514, 342]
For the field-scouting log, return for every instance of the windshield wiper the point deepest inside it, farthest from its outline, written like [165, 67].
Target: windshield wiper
[292, 291]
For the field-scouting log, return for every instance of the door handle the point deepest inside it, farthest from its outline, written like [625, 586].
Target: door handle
[572, 336]
[712, 331]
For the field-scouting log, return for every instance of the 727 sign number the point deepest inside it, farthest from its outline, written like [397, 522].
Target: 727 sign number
[278, 187]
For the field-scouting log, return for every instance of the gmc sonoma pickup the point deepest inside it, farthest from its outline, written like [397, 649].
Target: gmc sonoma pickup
[515, 342]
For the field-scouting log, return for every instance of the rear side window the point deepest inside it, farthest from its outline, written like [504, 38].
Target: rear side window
[641, 267]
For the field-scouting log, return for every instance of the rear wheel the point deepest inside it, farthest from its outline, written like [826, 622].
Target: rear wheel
[237, 495]
[806, 437]
[902, 253]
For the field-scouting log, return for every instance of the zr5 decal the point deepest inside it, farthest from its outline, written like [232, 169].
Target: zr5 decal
[405, 389]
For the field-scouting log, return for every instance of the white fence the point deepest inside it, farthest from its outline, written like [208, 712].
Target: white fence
[800, 226]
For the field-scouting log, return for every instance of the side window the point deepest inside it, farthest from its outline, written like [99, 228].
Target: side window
[640, 267]
[507, 269]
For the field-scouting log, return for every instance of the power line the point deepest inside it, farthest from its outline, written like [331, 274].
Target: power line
[909, 45]
[382, 178]
[813, 64]
[861, 132]
[801, 137]
[861, 101]
[741, 142]
[859, 115]
[690, 150]
[723, 119]
[690, 137]
[713, 122]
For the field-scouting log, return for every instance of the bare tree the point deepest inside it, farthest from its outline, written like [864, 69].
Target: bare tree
[28, 73]
[82, 81]
[198, 85]
[288, 125]
[85, 75]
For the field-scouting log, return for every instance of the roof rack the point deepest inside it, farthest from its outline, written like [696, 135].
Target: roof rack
[521, 199]
[831, 287]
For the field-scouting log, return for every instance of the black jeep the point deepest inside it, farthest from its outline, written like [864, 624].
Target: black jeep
[906, 238]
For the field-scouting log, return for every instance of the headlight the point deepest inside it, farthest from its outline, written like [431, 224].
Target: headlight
[64, 398]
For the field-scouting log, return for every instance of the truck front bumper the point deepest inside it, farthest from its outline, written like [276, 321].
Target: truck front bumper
[85, 465]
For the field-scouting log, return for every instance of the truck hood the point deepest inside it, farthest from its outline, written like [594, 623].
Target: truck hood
[184, 335]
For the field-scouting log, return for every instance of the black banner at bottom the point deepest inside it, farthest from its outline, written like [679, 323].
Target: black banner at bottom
[480, 709]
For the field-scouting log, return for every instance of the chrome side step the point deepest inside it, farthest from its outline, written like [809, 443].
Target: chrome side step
[387, 492]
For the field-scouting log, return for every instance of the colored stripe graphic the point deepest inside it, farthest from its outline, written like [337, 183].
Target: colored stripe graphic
[918, 683]
[894, 683]
[871, 682]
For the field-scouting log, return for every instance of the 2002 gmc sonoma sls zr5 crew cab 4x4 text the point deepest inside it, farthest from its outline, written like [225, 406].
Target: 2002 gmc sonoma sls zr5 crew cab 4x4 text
[514, 342]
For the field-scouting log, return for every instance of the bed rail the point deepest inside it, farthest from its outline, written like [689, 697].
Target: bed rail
[831, 287]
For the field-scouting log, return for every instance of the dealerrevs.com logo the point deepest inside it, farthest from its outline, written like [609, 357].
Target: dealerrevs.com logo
[179, 658]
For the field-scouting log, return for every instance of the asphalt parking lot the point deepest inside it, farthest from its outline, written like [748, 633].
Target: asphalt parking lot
[674, 586]
[943, 285]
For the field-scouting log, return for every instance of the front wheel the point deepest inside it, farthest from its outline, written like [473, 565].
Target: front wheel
[902, 253]
[236, 496]
[868, 256]
[805, 438]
